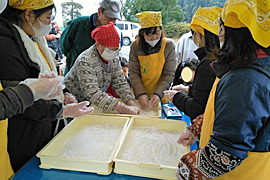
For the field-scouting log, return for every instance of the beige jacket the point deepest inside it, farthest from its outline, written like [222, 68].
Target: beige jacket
[167, 73]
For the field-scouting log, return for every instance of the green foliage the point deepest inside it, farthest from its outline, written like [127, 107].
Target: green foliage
[70, 10]
[175, 29]
[190, 6]
[169, 9]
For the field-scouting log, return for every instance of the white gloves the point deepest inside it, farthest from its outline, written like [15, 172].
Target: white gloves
[143, 100]
[169, 94]
[77, 109]
[69, 98]
[154, 100]
[124, 109]
[44, 88]
[181, 87]
[186, 138]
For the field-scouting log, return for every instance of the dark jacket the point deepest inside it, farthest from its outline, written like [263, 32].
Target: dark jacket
[242, 110]
[77, 37]
[194, 103]
[30, 131]
[15, 100]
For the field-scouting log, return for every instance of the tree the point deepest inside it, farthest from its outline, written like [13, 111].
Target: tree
[169, 9]
[70, 10]
[190, 6]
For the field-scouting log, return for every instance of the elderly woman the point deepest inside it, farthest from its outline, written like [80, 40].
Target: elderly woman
[96, 68]
[25, 54]
[151, 61]
[239, 147]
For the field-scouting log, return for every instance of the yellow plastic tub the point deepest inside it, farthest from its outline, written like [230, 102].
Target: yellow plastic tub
[154, 112]
[63, 151]
[149, 148]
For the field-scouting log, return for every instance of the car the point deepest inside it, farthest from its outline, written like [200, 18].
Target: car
[129, 30]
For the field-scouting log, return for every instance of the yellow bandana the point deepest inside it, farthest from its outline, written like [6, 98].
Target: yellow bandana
[30, 4]
[253, 14]
[150, 19]
[206, 18]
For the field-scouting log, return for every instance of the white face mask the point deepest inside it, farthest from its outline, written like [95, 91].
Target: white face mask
[44, 29]
[152, 43]
[3, 4]
[109, 54]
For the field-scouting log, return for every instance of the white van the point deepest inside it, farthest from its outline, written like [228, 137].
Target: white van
[130, 31]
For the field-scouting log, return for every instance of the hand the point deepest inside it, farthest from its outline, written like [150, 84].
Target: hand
[69, 99]
[186, 138]
[154, 100]
[169, 95]
[77, 109]
[133, 103]
[44, 88]
[47, 75]
[181, 87]
[143, 100]
[124, 109]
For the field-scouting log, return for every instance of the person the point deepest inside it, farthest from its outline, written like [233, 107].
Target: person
[205, 26]
[239, 147]
[53, 40]
[151, 61]
[185, 47]
[96, 68]
[14, 100]
[185, 67]
[124, 65]
[25, 54]
[76, 36]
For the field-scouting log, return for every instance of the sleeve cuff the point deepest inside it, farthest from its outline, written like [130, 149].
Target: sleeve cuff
[25, 95]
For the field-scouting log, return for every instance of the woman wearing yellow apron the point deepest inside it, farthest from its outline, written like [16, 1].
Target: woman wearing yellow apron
[239, 148]
[151, 61]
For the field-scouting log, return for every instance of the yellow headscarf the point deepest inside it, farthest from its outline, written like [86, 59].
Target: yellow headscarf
[253, 14]
[206, 18]
[150, 19]
[30, 4]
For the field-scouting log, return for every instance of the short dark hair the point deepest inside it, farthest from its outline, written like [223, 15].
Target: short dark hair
[239, 47]
[211, 40]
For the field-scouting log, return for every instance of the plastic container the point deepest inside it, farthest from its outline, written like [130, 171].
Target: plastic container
[139, 167]
[155, 112]
[49, 158]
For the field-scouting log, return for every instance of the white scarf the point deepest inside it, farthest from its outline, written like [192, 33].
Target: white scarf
[36, 57]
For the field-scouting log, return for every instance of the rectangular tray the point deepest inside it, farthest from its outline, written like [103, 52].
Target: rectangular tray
[150, 169]
[49, 158]
[156, 110]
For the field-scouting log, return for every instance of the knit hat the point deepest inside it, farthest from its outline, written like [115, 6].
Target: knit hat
[106, 35]
[30, 4]
[252, 14]
[206, 18]
[150, 19]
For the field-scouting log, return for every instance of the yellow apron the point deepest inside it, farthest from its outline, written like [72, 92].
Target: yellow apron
[208, 117]
[5, 168]
[255, 166]
[151, 69]
[42, 55]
